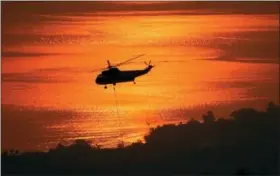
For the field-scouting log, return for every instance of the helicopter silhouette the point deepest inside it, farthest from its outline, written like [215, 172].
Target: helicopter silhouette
[113, 75]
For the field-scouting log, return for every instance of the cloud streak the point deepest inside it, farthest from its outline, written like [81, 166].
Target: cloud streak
[32, 77]
[24, 54]
[16, 13]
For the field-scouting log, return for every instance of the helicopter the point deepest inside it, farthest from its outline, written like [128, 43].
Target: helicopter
[113, 75]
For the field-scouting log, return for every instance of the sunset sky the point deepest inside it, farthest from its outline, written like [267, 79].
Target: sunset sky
[221, 56]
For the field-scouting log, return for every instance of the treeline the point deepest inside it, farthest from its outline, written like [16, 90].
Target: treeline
[244, 143]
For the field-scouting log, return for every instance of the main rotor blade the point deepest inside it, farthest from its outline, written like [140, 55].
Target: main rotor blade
[118, 64]
[161, 61]
[121, 63]
[99, 69]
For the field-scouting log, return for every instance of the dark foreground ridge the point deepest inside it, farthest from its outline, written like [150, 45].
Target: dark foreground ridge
[246, 143]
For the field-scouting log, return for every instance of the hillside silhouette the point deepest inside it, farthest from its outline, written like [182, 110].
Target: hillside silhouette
[246, 142]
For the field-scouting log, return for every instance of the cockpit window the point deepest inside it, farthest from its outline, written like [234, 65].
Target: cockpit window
[115, 70]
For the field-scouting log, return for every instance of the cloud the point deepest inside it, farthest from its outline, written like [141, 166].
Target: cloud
[250, 47]
[24, 39]
[45, 75]
[87, 7]
[24, 54]
[16, 13]
[32, 77]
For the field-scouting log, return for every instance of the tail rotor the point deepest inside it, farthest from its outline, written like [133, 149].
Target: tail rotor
[149, 64]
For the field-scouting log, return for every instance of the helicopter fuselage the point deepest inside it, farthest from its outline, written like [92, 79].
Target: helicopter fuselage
[114, 75]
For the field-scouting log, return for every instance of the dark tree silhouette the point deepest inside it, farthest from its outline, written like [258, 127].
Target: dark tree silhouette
[209, 118]
[247, 143]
